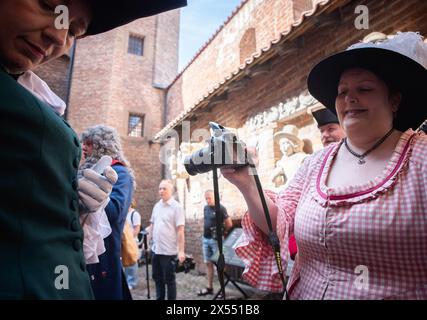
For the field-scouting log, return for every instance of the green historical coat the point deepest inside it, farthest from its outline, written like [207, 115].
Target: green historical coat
[41, 254]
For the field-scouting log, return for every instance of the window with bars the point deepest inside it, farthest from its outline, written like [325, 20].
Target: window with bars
[136, 125]
[136, 45]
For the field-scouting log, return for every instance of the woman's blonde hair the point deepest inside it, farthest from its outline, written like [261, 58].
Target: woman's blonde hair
[133, 204]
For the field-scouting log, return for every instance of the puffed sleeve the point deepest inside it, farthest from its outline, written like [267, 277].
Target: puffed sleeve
[255, 249]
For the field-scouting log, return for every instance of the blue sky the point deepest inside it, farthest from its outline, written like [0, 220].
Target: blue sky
[199, 20]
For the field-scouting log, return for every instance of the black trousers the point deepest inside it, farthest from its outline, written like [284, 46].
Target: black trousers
[164, 276]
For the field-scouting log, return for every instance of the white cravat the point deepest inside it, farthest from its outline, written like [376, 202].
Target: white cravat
[30, 81]
[96, 228]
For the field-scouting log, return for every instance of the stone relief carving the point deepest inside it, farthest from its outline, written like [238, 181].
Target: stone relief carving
[291, 147]
[281, 111]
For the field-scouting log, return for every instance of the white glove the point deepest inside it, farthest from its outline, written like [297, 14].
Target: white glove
[96, 184]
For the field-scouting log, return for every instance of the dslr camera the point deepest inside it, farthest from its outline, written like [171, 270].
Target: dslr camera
[186, 266]
[224, 151]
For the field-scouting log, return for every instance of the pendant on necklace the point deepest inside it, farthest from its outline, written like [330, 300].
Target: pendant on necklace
[361, 161]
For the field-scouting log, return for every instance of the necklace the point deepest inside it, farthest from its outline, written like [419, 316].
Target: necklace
[363, 155]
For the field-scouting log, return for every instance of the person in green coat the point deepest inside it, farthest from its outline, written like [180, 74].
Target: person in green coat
[41, 254]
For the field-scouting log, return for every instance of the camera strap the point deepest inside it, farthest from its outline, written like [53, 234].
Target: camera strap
[272, 236]
[220, 266]
[422, 127]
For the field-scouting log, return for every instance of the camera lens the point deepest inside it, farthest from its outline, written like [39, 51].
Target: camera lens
[198, 162]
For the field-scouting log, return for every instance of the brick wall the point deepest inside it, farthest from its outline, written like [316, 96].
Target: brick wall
[91, 81]
[166, 53]
[55, 74]
[287, 79]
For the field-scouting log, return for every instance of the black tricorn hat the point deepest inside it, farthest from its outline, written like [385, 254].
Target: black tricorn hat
[400, 61]
[110, 14]
[324, 116]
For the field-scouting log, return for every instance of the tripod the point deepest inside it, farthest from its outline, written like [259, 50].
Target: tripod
[144, 234]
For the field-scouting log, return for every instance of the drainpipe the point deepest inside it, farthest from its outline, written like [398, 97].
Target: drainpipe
[165, 111]
[159, 86]
[164, 118]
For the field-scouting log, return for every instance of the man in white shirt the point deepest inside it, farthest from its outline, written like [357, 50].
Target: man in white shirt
[167, 223]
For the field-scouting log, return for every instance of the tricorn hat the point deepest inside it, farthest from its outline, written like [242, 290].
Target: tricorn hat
[324, 116]
[401, 61]
[110, 14]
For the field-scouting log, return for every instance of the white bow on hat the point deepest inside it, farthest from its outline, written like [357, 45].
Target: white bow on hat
[409, 43]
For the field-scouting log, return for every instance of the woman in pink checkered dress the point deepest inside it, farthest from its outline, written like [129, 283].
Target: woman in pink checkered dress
[358, 208]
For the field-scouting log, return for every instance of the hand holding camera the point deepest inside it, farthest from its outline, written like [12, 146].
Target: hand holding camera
[242, 177]
[181, 257]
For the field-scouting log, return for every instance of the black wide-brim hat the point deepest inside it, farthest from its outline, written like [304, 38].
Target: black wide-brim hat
[110, 14]
[401, 72]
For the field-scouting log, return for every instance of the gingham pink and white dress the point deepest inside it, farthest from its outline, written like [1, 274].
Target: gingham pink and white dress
[377, 230]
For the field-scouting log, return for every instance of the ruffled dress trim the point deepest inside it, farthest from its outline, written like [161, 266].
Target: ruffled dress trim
[367, 191]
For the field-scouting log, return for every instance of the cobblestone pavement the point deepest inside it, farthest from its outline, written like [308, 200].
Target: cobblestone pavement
[188, 285]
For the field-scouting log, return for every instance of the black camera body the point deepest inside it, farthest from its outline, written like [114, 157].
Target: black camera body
[186, 266]
[224, 151]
